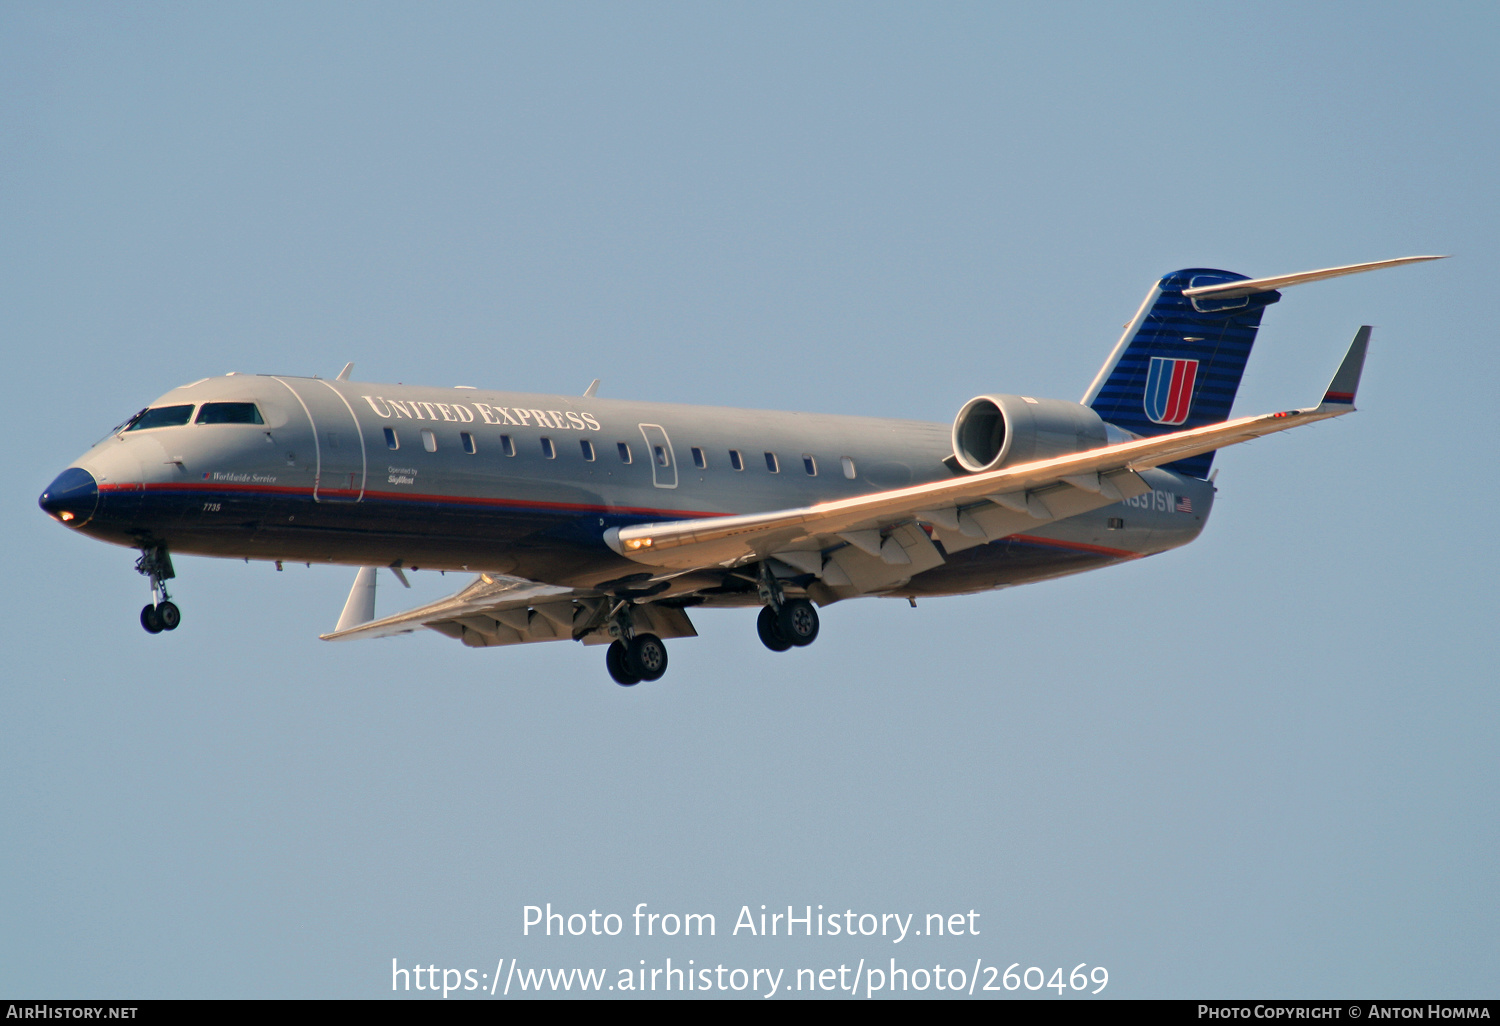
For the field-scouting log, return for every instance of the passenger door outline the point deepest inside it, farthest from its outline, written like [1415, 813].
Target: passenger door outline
[336, 478]
[657, 445]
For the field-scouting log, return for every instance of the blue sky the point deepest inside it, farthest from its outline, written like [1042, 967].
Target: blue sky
[1262, 765]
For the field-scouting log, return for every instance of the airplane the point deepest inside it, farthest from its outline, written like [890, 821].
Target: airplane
[604, 521]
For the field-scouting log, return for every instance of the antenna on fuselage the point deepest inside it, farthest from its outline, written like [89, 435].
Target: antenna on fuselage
[592, 390]
[344, 374]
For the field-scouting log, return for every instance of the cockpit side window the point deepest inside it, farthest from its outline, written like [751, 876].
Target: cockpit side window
[229, 413]
[161, 416]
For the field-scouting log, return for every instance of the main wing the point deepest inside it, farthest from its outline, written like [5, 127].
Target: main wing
[964, 511]
[499, 610]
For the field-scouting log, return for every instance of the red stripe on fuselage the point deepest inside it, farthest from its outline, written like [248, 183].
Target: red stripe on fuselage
[1078, 546]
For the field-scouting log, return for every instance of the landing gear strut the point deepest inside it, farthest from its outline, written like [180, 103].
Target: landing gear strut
[631, 657]
[784, 623]
[162, 614]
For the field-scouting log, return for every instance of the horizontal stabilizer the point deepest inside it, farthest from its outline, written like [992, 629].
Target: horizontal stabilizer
[1235, 289]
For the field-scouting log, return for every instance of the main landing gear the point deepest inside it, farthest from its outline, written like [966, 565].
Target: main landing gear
[631, 657]
[784, 623]
[162, 613]
[794, 626]
[643, 657]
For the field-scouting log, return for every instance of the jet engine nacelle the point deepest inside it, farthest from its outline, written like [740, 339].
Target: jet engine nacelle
[994, 431]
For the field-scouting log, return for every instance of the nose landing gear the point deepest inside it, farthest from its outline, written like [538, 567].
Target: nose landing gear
[164, 617]
[162, 613]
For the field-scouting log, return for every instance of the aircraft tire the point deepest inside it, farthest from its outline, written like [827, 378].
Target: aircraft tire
[169, 615]
[614, 661]
[798, 622]
[150, 620]
[646, 657]
[769, 629]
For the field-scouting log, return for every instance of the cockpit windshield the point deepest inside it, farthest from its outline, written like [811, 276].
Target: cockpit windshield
[161, 416]
[228, 413]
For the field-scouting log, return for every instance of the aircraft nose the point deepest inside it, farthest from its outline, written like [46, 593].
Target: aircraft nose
[72, 498]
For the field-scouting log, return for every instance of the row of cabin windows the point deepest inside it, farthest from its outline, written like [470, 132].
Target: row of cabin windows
[586, 448]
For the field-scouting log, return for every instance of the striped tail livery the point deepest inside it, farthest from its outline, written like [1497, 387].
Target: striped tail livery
[1179, 363]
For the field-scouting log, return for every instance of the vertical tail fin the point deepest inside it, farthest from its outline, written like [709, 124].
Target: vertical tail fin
[1180, 361]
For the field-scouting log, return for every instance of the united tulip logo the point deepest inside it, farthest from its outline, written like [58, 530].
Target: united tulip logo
[1169, 389]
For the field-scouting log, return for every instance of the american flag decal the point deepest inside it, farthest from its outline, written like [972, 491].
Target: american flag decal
[1184, 504]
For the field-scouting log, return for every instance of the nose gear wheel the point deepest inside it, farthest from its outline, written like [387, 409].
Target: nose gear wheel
[162, 614]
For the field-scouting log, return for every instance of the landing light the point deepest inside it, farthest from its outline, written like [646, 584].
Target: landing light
[65, 516]
[638, 543]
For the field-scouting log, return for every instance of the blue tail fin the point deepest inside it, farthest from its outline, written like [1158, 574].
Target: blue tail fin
[1180, 361]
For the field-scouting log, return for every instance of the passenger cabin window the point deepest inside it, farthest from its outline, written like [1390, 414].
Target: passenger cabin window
[699, 460]
[391, 441]
[624, 450]
[588, 449]
[661, 454]
[547, 449]
[429, 440]
[161, 416]
[810, 464]
[468, 442]
[228, 413]
[771, 463]
[507, 446]
[736, 460]
[848, 467]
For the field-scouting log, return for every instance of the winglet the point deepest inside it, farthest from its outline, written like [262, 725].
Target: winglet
[592, 390]
[360, 608]
[1346, 379]
[344, 374]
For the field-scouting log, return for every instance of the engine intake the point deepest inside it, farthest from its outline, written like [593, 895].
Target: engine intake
[994, 431]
